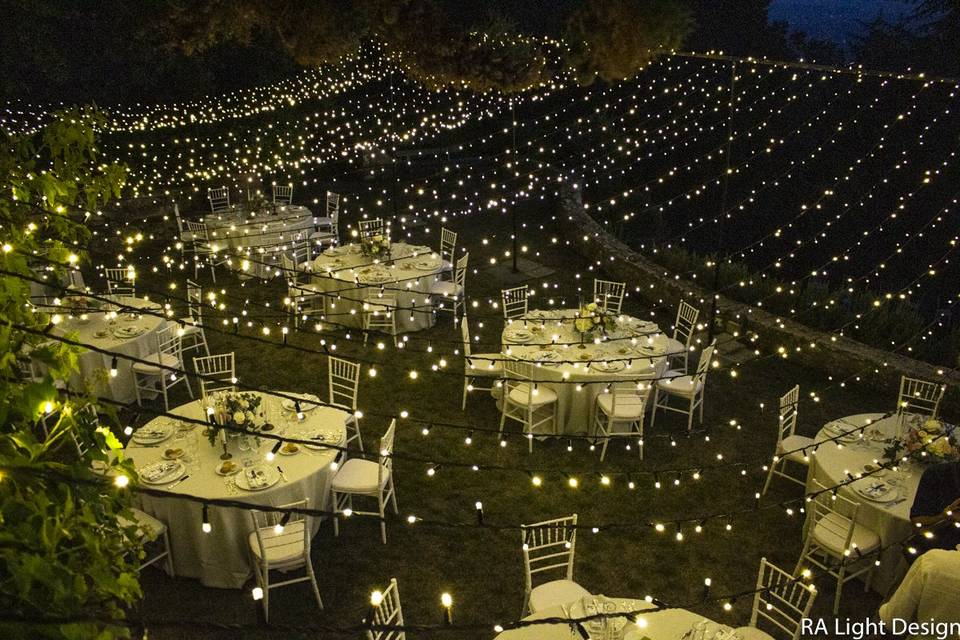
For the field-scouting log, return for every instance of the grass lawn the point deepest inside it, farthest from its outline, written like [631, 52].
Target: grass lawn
[482, 568]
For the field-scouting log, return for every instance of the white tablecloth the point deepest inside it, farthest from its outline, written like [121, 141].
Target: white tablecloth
[221, 558]
[669, 624]
[830, 466]
[259, 236]
[346, 272]
[638, 345]
[98, 331]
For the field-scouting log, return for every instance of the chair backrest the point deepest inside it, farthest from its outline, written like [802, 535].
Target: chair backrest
[195, 301]
[386, 453]
[836, 514]
[514, 302]
[292, 534]
[919, 397]
[465, 339]
[448, 244]
[789, 412]
[703, 365]
[282, 194]
[87, 420]
[176, 214]
[217, 373]
[630, 396]
[548, 548]
[460, 273]
[219, 198]
[301, 252]
[781, 599]
[343, 382]
[75, 279]
[121, 281]
[198, 232]
[686, 323]
[388, 612]
[371, 228]
[333, 206]
[609, 295]
[168, 344]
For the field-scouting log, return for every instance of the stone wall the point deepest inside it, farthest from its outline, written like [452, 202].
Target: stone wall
[840, 355]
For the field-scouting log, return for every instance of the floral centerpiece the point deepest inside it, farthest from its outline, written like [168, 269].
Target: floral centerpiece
[929, 442]
[229, 408]
[592, 320]
[376, 246]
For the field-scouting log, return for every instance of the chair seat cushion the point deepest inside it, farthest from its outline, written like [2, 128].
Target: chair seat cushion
[795, 444]
[155, 362]
[628, 407]
[446, 289]
[283, 549]
[148, 527]
[555, 592]
[324, 221]
[682, 386]
[190, 326]
[752, 633]
[358, 476]
[521, 394]
[485, 364]
[827, 534]
[675, 347]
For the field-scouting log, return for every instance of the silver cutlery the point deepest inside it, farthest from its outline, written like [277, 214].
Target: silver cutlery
[282, 477]
[178, 481]
[895, 502]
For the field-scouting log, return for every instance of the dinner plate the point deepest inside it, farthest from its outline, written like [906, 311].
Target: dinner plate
[227, 468]
[850, 432]
[289, 449]
[152, 434]
[162, 472]
[519, 335]
[308, 402]
[426, 264]
[877, 490]
[128, 332]
[374, 277]
[323, 439]
[257, 478]
[609, 366]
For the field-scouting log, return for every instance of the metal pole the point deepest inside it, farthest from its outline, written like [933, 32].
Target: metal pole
[723, 208]
[513, 125]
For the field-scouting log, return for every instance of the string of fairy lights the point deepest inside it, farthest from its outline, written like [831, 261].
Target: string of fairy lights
[603, 146]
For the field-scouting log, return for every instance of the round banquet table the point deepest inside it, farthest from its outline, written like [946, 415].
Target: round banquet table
[635, 350]
[668, 624]
[106, 332]
[890, 520]
[407, 277]
[259, 235]
[221, 558]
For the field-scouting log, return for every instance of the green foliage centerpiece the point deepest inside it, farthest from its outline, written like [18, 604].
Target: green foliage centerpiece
[926, 441]
[376, 246]
[592, 322]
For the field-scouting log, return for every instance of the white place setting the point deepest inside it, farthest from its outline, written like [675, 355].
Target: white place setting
[177, 456]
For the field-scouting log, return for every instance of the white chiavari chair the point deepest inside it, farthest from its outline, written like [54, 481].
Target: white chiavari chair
[303, 299]
[153, 533]
[163, 369]
[193, 336]
[448, 247]
[121, 281]
[683, 331]
[835, 542]
[371, 228]
[619, 414]
[380, 314]
[366, 478]
[343, 385]
[549, 548]
[387, 612]
[484, 366]
[514, 302]
[689, 388]
[790, 446]
[327, 227]
[281, 542]
[282, 194]
[219, 198]
[216, 373]
[450, 296]
[609, 295]
[202, 249]
[525, 400]
[919, 397]
[781, 603]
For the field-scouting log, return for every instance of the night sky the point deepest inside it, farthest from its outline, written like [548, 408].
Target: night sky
[835, 20]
